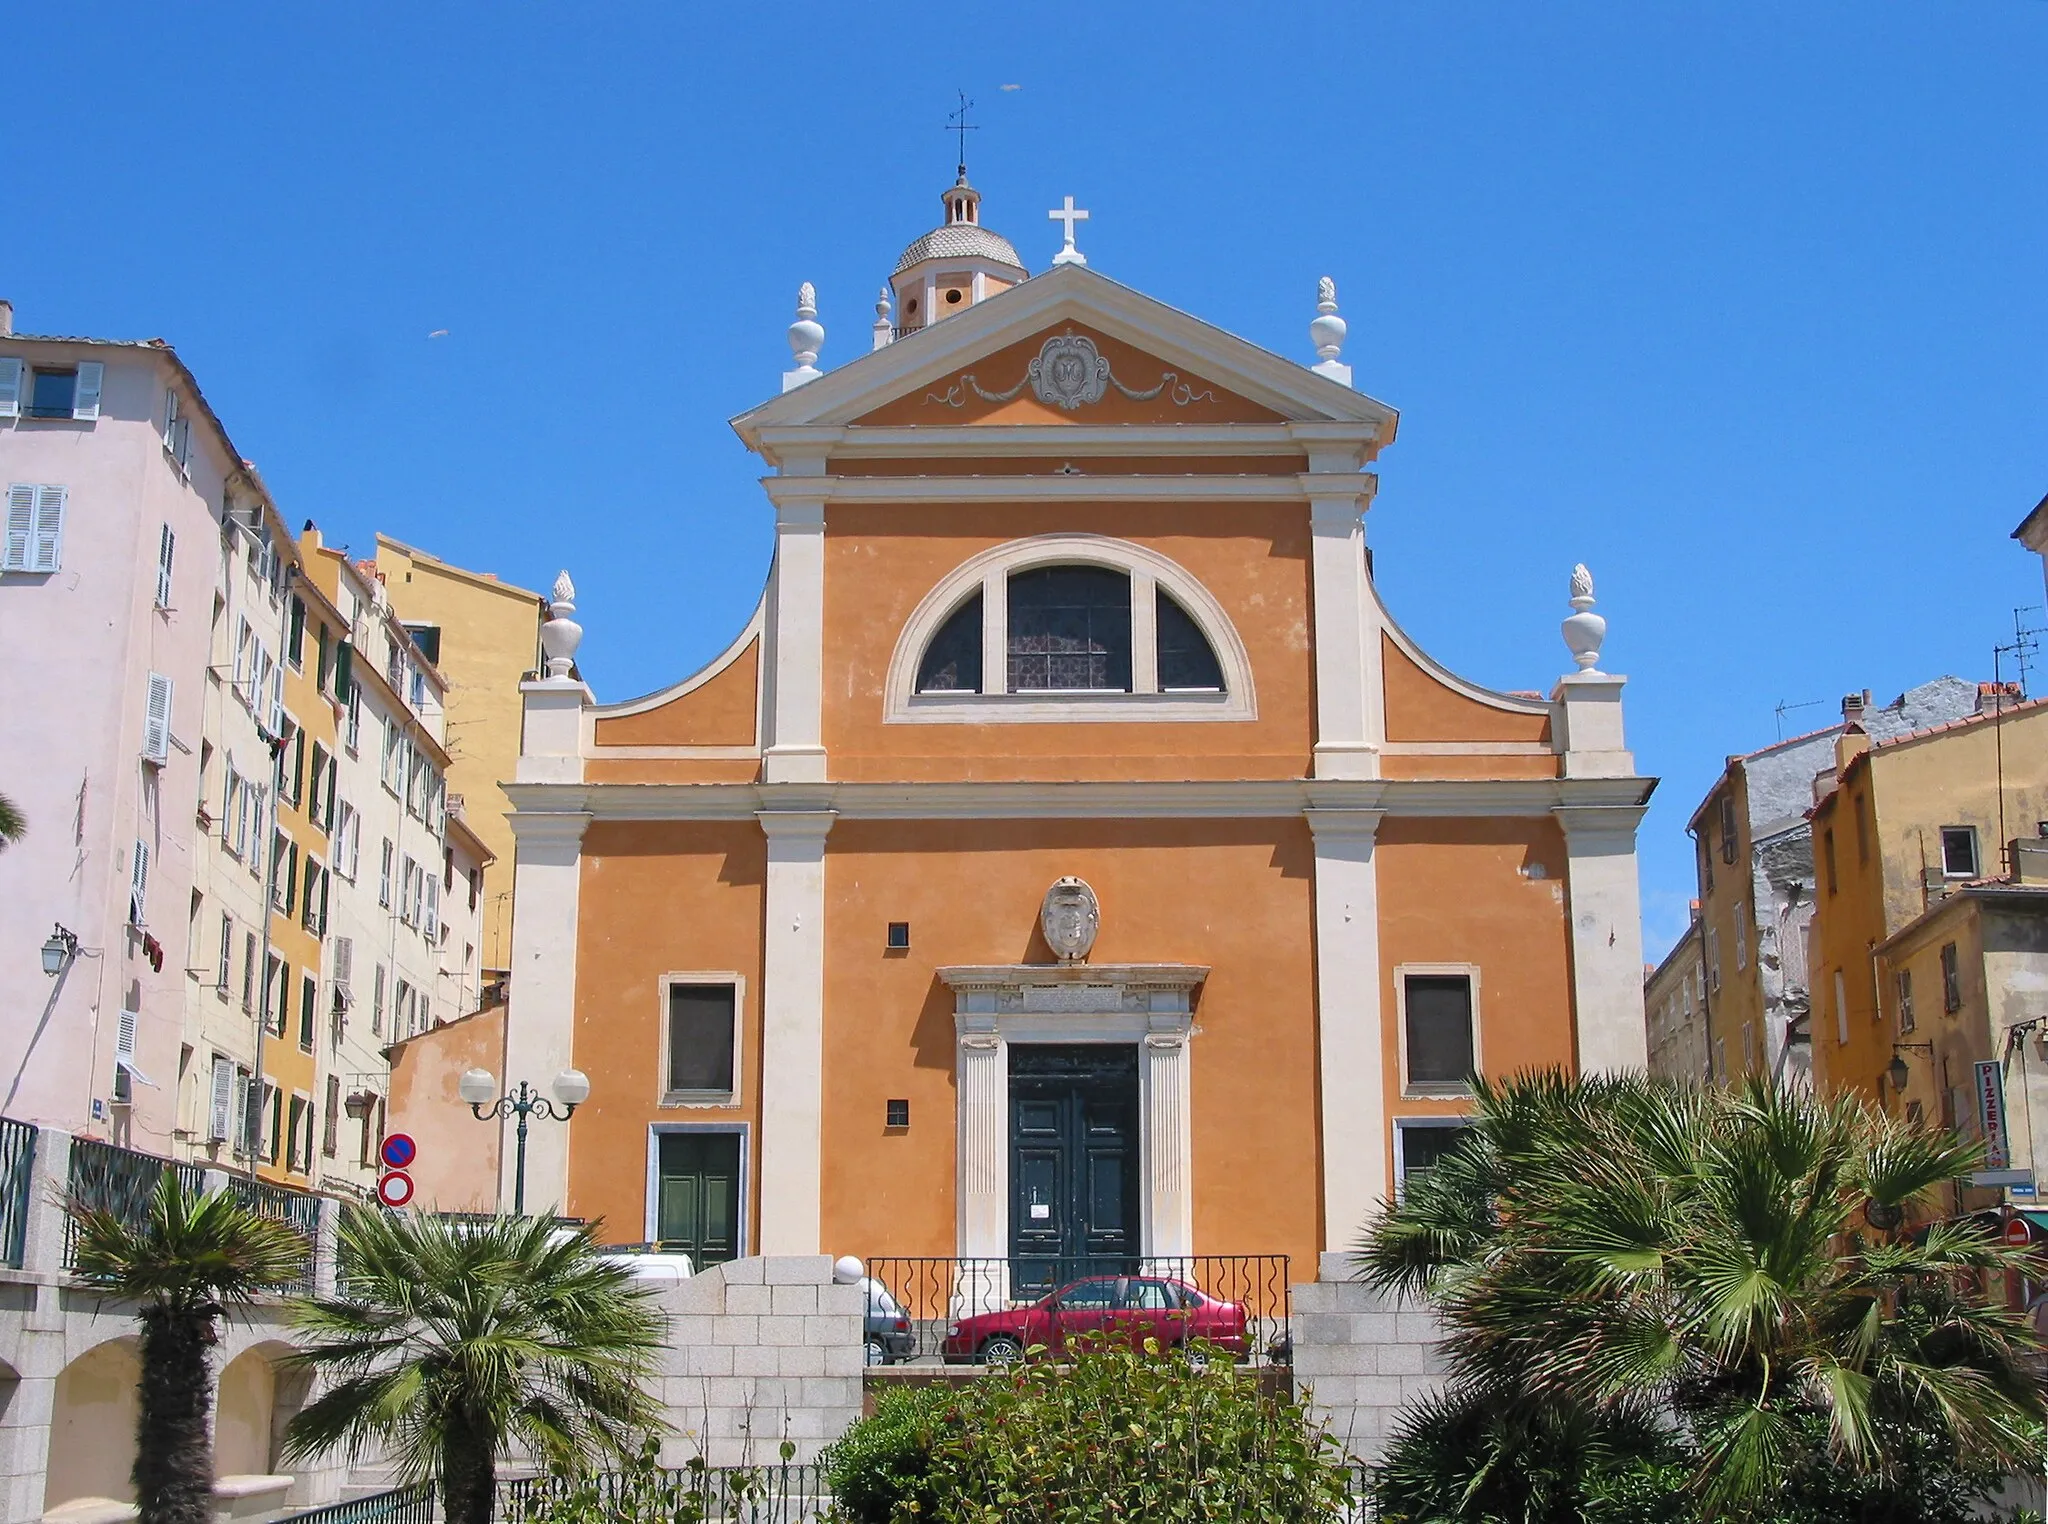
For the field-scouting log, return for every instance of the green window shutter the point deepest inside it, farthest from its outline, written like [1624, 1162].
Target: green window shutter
[345, 672]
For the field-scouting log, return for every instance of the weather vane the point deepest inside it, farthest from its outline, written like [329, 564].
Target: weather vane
[956, 121]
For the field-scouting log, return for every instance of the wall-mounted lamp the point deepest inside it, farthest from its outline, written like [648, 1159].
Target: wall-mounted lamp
[1897, 1072]
[59, 951]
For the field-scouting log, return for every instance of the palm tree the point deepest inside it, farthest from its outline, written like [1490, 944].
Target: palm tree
[192, 1258]
[447, 1341]
[13, 824]
[1632, 1251]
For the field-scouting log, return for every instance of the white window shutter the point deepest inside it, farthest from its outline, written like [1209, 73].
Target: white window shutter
[223, 1107]
[156, 725]
[85, 397]
[166, 549]
[277, 720]
[138, 884]
[21, 523]
[124, 1039]
[46, 548]
[171, 418]
[10, 388]
[344, 960]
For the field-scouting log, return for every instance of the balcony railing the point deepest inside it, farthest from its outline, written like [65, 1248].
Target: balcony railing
[969, 1310]
[109, 1178]
[402, 1505]
[298, 1210]
[728, 1494]
[17, 1168]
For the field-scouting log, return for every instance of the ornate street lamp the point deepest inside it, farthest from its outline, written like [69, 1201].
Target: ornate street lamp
[479, 1087]
[59, 951]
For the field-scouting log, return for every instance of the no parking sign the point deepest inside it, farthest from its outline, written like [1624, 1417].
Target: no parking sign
[394, 1187]
[398, 1151]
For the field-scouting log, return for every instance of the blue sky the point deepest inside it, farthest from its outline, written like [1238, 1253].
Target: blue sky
[1743, 304]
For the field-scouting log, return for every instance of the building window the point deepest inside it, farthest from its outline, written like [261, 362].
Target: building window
[330, 1139]
[309, 1006]
[1187, 662]
[52, 392]
[1720, 1060]
[166, 552]
[1713, 959]
[1419, 1143]
[220, 1117]
[702, 1035]
[1904, 982]
[1748, 1046]
[377, 1002]
[248, 971]
[35, 528]
[1741, 938]
[1951, 979]
[1841, 1010]
[1727, 828]
[384, 874]
[952, 662]
[1706, 861]
[223, 975]
[1070, 630]
[1440, 1051]
[299, 1143]
[1959, 851]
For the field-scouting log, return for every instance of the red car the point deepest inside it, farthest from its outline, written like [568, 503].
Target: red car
[1133, 1307]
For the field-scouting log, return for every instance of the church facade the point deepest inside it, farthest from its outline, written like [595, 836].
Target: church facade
[1071, 856]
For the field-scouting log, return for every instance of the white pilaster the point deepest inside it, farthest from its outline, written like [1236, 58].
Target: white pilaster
[1606, 911]
[1169, 1144]
[796, 632]
[1350, 714]
[982, 1078]
[793, 1033]
[551, 735]
[547, 878]
[1355, 1144]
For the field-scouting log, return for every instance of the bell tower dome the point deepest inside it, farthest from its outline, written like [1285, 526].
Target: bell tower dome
[955, 265]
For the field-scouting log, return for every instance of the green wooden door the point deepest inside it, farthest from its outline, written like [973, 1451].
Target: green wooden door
[697, 1201]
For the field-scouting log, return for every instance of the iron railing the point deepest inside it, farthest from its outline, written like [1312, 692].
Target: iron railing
[109, 1178]
[401, 1505]
[777, 1494]
[297, 1210]
[17, 1166]
[964, 1310]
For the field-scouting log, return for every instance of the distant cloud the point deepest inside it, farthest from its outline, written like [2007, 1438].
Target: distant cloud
[1013, 87]
[438, 333]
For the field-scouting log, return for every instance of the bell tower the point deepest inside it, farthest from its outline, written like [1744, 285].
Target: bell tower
[949, 269]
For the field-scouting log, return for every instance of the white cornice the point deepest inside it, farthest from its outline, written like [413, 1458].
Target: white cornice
[1063, 440]
[1078, 294]
[1272, 798]
[805, 490]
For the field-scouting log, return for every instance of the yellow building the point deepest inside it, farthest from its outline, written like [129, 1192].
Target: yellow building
[1902, 824]
[315, 636]
[1675, 1010]
[484, 636]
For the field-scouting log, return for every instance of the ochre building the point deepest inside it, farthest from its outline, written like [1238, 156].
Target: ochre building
[1072, 856]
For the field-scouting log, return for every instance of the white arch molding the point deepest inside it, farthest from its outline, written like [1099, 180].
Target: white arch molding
[988, 574]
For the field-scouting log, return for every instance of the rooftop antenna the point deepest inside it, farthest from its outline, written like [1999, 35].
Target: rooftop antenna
[2025, 642]
[1784, 709]
[956, 121]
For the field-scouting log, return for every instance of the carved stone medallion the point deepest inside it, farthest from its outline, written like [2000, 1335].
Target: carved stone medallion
[1069, 372]
[1069, 918]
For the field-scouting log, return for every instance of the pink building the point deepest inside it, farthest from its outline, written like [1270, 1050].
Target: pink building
[118, 477]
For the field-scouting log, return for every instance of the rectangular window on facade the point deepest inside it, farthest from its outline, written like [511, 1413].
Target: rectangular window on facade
[377, 1002]
[295, 635]
[1841, 1009]
[220, 1113]
[1713, 959]
[277, 987]
[1439, 1035]
[1420, 1145]
[138, 885]
[156, 720]
[1706, 861]
[178, 440]
[1827, 852]
[1720, 1060]
[703, 1041]
[224, 973]
[1741, 938]
[248, 970]
[1905, 986]
[1951, 979]
[330, 1138]
[1748, 1045]
[309, 1005]
[273, 1121]
[384, 874]
[35, 528]
[10, 386]
[166, 550]
[317, 780]
[298, 1142]
[1728, 832]
[1959, 851]
[348, 831]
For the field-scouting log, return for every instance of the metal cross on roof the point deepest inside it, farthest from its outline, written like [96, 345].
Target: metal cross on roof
[956, 121]
[1069, 214]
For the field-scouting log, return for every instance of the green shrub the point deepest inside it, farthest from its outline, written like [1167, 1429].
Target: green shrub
[882, 1459]
[1118, 1434]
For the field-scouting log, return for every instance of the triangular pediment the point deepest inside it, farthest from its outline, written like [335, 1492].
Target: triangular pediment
[1106, 355]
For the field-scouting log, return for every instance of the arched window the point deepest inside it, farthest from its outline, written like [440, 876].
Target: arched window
[952, 662]
[1070, 630]
[1069, 627]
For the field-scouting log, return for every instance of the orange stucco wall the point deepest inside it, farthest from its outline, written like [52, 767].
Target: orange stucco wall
[657, 898]
[457, 1166]
[1231, 894]
[720, 713]
[1462, 891]
[881, 560]
[1420, 708]
[1002, 370]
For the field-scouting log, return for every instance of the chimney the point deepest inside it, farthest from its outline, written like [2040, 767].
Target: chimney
[1853, 705]
[6, 317]
[2028, 860]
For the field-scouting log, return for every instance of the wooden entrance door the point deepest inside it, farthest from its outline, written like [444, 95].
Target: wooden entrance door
[1074, 1203]
[697, 1195]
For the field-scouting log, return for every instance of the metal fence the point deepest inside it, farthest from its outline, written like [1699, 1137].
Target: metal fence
[17, 1166]
[298, 1210]
[118, 1180]
[402, 1505]
[729, 1495]
[965, 1311]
